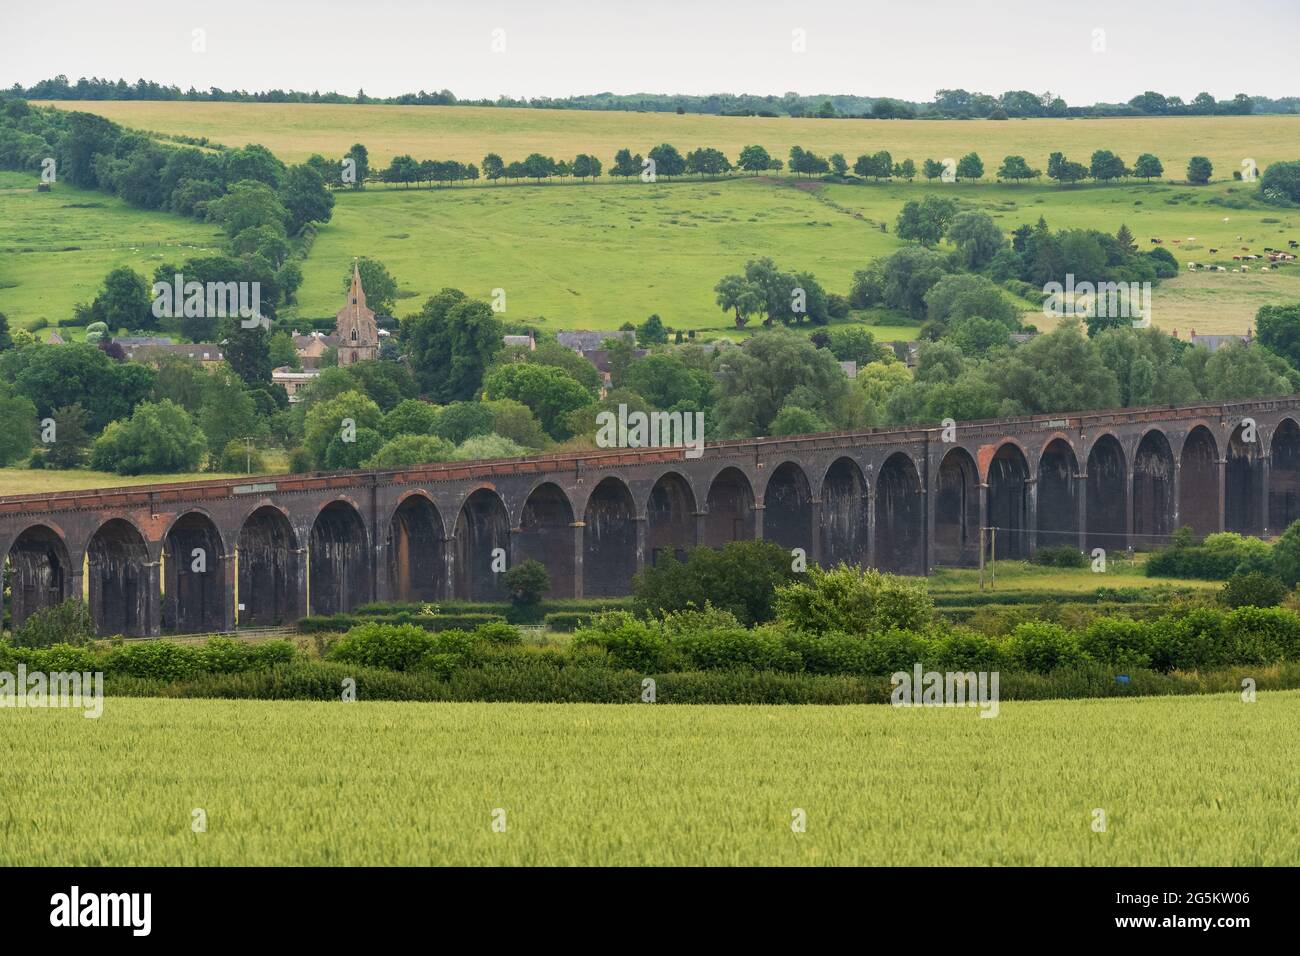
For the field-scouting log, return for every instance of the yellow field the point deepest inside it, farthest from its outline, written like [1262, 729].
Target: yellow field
[466, 133]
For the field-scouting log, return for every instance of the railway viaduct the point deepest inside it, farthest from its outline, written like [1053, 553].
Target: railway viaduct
[212, 555]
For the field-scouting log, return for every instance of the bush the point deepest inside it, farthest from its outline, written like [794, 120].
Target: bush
[156, 660]
[1060, 557]
[741, 577]
[1257, 635]
[1217, 558]
[1253, 589]
[66, 623]
[854, 601]
[1189, 641]
[1118, 641]
[1042, 648]
[497, 632]
[631, 642]
[527, 583]
[396, 647]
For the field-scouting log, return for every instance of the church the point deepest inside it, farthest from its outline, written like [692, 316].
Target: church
[358, 335]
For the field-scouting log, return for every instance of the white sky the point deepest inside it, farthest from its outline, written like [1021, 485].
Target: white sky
[902, 48]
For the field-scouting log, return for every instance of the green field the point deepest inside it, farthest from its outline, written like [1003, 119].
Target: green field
[466, 133]
[1182, 781]
[56, 247]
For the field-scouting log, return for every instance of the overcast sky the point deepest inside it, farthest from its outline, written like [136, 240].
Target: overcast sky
[903, 48]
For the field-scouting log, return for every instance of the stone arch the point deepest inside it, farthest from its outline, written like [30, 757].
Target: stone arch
[270, 570]
[546, 535]
[1244, 488]
[845, 514]
[338, 560]
[195, 589]
[900, 517]
[1008, 481]
[787, 508]
[957, 511]
[1058, 496]
[416, 549]
[730, 509]
[482, 536]
[119, 580]
[1284, 476]
[39, 573]
[1153, 491]
[609, 540]
[1198, 482]
[670, 517]
[1107, 493]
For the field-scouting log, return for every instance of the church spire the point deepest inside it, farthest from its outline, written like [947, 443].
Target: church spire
[356, 295]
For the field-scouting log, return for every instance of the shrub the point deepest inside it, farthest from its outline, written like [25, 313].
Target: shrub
[497, 632]
[1257, 635]
[1117, 641]
[1060, 557]
[632, 642]
[1189, 641]
[158, 660]
[397, 647]
[1042, 648]
[527, 583]
[1253, 589]
[741, 577]
[68, 622]
[760, 648]
[853, 600]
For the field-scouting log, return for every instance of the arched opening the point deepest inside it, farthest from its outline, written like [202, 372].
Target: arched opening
[270, 569]
[194, 577]
[1107, 496]
[39, 573]
[787, 509]
[1198, 483]
[845, 515]
[1284, 477]
[1058, 501]
[546, 535]
[957, 511]
[416, 551]
[1244, 490]
[1009, 502]
[482, 547]
[1153, 492]
[119, 581]
[609, 541]
[730, 508]
[900, 517]
[338, 560]
[670, 518]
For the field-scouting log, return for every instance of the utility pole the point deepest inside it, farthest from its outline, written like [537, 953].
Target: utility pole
[248, 457]
[981, 557]
[993, 559]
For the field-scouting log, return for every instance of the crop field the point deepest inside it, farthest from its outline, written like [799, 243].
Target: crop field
[56, 247]
[466, 133]
[1192, 780]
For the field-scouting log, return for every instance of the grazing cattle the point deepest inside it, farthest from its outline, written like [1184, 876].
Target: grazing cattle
[1214, 250]
[1156, 242]
[1292, 243]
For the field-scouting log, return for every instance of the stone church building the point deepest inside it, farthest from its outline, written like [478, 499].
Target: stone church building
[358, 335]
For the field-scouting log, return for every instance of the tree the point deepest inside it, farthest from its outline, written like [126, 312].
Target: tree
[772, 369]
[977, 238]
[754, 159]
[486, 447]
[516, 421]
[403, 451]
[851, 600]
[838, 164]
[19, 415]
[740, 578]
[71, 440]
[1015, 168]
[55, 376]
[124, 301]
[493, 167]
[1239, 370]
[1281, 182]
[361, 161]
[742, 297]
[1148, 167]
[248, 352]
[1064, 171]
[906, 170]
[228, 412]
[6, 340]
[409, 417]
[707, 161]
[625, 164]
[668, 162]
[1286, 555]
[1107, 166]
[158, 438]
[932, 169]
[970, 166]
[665, 381]
[463, 420]
[340, 419]
[305, 198]
[652, 332]
[378, 283]
[449, 343]
[925, 220]
[248, 204]
[1278, 328]
[1199, 170]
[527, 583]
[853, 343]
[794, 420]
[551, 393]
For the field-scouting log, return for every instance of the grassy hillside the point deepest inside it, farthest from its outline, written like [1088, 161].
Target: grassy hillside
[1182, 781]
[56, 247]
[595, 256]
[465, 133]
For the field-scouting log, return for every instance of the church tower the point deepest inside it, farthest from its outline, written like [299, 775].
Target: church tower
[355, 325]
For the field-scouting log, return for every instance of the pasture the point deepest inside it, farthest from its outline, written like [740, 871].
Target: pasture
[1201, 780]
[56, 247]
[466, 133]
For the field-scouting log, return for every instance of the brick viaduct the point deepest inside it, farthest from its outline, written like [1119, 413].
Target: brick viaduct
[204, 556]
